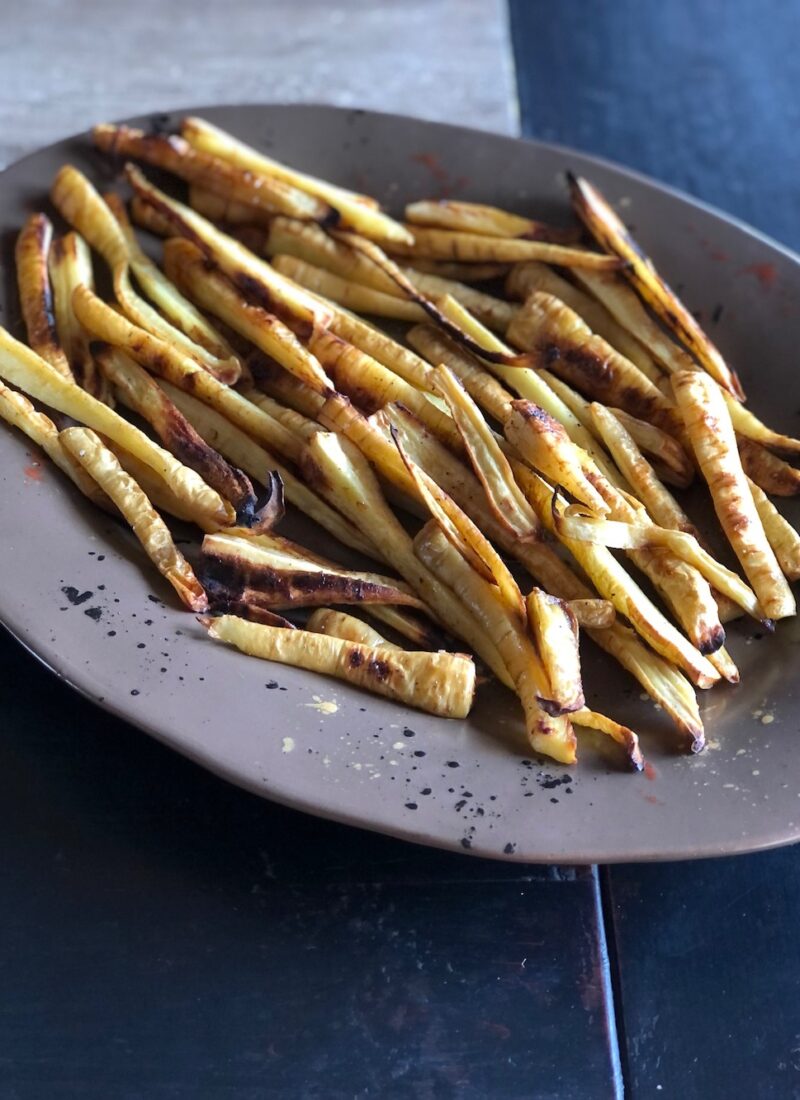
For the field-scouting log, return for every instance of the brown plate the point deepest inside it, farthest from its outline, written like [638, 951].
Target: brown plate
[74, 587]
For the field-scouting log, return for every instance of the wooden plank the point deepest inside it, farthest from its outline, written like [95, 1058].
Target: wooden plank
[58, 79]
[163, 933]
[698, 94]
[709, 974]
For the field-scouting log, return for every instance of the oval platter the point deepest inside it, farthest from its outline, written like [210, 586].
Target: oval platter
[75, 589]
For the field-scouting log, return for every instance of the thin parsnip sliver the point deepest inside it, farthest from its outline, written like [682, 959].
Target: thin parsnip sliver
[35, 295]
[151, 531]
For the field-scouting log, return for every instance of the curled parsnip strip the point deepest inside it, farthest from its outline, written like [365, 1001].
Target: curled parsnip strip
[170, 364]
[70, 265]
[711, 432]
[641, 534]
[151, 531]
[439, 683]
[555, 632]
[259, 281]
[243, 451]
[347, 627]
[444, 244]
[658, 501]
[333, 460]
[356, 210]
[141, 393]
[524, 278]
[82, 206]
[17, 410]
[205, 283]
[547, 732]
[164, 293]
[488, 221]
[559, 341]
[35, 295]
[506, 499]
[23, 368]
[610, 233]
[544, 444]
[175, 154]
[783, 538]
[629, 740]
[463, 534]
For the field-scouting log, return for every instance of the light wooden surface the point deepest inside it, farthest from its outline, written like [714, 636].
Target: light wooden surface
[68, 63]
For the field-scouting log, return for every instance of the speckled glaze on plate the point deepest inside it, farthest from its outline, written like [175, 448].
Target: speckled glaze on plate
[75, 589]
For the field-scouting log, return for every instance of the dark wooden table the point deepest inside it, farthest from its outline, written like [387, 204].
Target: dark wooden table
[165, 935]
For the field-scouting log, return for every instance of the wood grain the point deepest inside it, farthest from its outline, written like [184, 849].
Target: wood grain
[68, 63]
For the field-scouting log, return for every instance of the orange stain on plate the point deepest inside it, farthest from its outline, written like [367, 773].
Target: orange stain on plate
[34, 471]
[766, 273]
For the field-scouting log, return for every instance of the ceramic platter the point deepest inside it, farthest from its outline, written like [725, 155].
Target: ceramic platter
[75, 589]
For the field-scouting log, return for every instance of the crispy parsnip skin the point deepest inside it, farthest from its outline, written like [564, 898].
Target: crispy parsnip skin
[140, 392]
[254, 572]
[259, 281]
[439, 683]
[205, 283]
[335, 462]
[546, 446]
[354, 210]
[608, 230]
[243, 451]
[151, 531]
[167, 297]
[711, 432]
[82, 206]
[23, 368]
[70, 266]
[487, 221]
[35, 295]
[176, 155]
[444, 244]
[525, 278]
[563, 344]
[769, 472]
